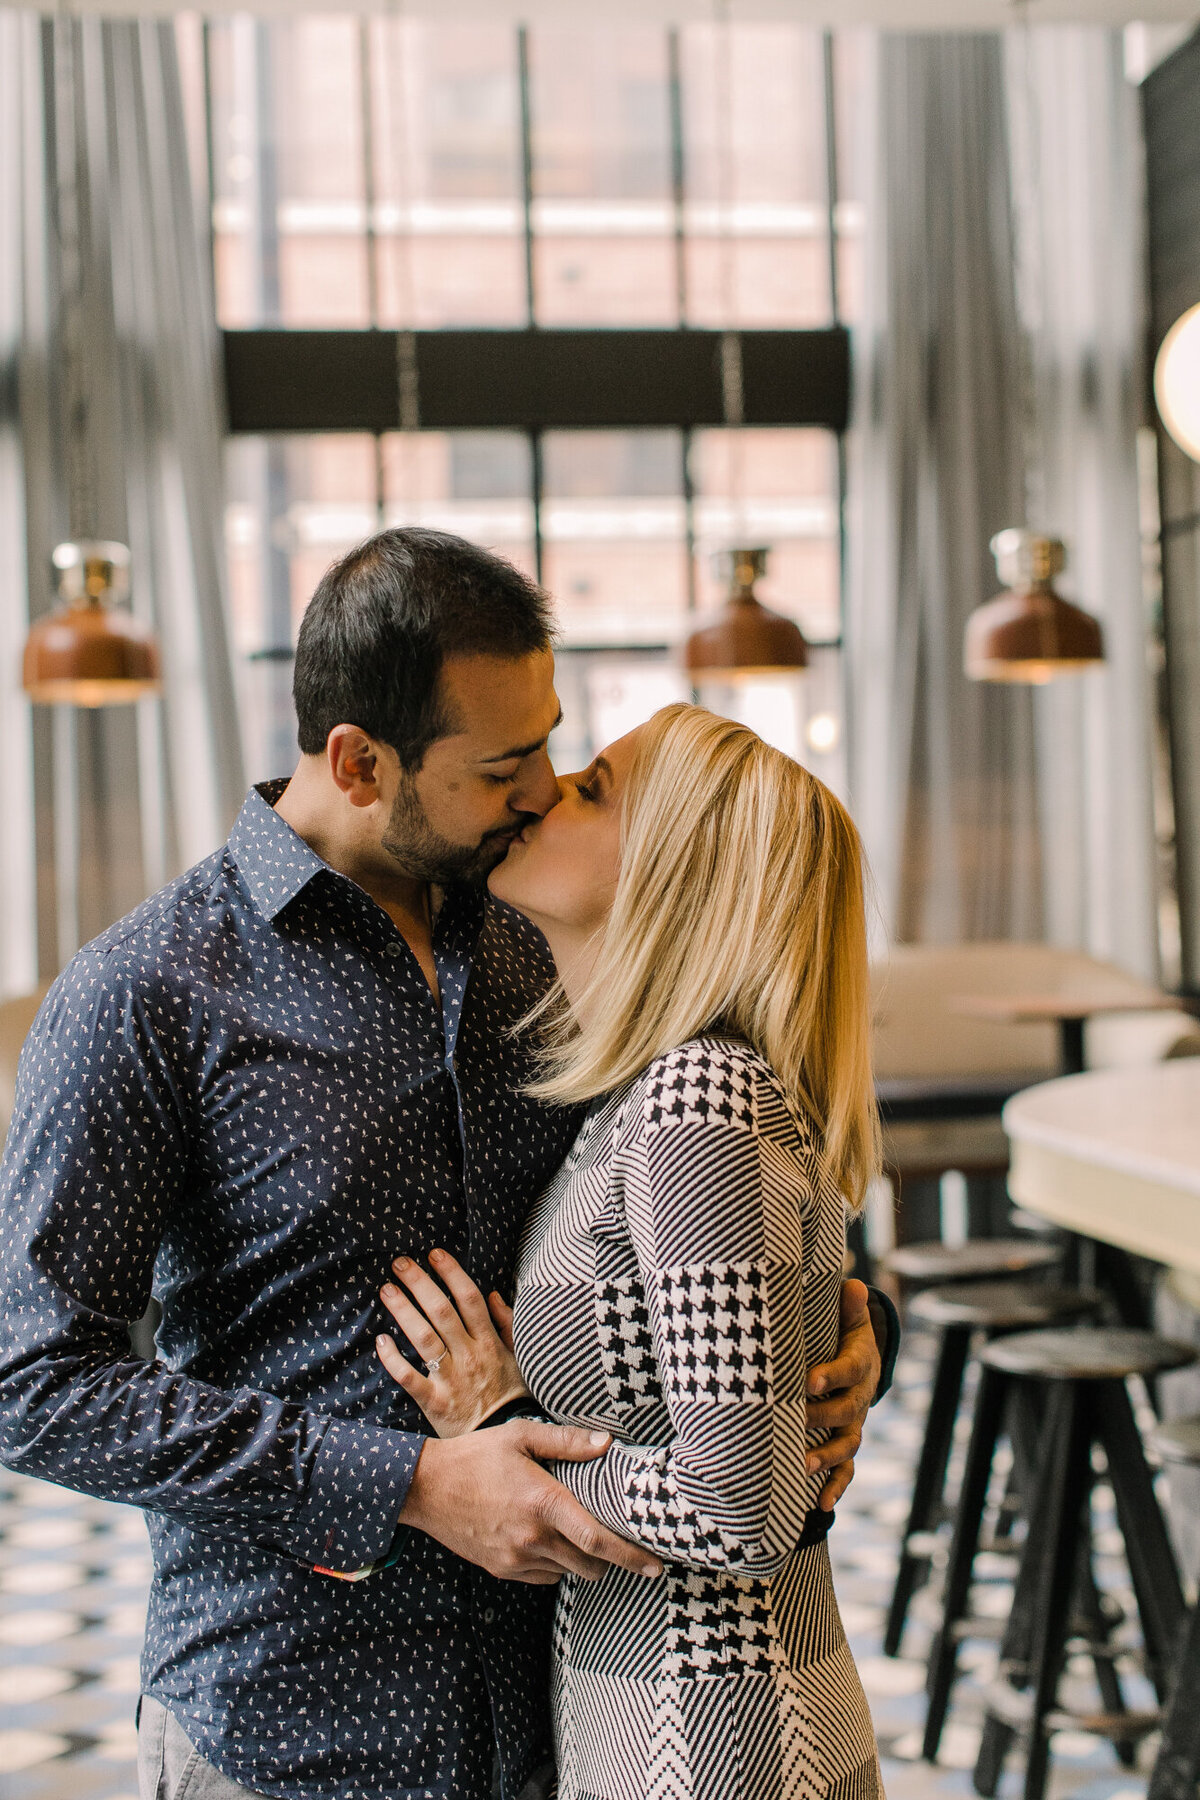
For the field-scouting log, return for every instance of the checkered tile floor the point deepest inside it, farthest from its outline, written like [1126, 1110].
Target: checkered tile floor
[73, 1577]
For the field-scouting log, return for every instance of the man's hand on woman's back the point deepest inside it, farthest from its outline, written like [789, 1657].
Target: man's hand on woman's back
[840, 1393]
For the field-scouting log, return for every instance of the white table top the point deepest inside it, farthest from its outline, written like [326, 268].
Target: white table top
[1114, 1155]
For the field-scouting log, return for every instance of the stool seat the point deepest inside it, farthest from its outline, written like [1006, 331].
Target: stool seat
[1108, 1354]
[1178, 1441]
[977, 1260]
[1002, 1305]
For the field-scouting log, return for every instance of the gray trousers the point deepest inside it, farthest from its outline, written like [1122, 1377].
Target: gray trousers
[169, 1765]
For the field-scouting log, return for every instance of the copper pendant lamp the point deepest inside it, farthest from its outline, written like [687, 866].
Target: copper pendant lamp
[1030, 633]
[744, 638]
[89, 651]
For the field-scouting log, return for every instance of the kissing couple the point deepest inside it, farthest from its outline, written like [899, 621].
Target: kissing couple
[435, 1035]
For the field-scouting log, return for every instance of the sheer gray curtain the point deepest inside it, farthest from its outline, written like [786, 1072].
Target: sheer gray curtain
[18, 901]
[997, 812]
[92, 120]
[1078, 181]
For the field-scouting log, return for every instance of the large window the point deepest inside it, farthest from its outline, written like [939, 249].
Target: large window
[396, 175]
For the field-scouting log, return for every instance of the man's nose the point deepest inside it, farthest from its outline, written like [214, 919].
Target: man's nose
[537, 791]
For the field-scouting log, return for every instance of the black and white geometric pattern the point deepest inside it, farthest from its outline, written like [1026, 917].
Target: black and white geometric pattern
[674, 1286]
[689, 1090]
[626, 1340]
[715, 1318]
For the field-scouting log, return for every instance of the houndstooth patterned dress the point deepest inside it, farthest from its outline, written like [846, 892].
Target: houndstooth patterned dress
[676, 1280]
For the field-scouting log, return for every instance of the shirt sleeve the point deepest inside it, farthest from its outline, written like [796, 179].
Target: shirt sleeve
[713, 1205]
[889, 1350]
[98, 1154]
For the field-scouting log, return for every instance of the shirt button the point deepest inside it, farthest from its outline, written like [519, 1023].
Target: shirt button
[394, 949]
[489, 1614]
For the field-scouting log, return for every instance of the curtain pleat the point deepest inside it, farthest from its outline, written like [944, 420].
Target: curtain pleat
[997, 812]
[18, 895]
[140, 792]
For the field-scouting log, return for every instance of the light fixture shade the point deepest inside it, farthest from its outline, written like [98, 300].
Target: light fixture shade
[1030, 634]
[744, 638]
[1177, 382]
[88, 651]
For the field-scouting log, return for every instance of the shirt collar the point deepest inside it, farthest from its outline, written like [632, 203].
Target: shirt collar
[277, 864]
[274, 860]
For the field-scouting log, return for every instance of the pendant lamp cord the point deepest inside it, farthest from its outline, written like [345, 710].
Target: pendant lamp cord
[80, 496]
[1024, 139]
[408, 389]
[733, 391]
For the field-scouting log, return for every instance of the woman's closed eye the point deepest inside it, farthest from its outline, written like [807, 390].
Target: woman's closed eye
[590, 785]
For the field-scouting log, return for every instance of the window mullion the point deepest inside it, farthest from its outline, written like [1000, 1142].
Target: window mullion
[527, 171]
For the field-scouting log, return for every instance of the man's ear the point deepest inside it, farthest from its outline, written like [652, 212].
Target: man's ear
[353, 760]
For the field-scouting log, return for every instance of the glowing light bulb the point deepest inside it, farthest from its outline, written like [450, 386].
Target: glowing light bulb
[822, 732]
[1177, 382]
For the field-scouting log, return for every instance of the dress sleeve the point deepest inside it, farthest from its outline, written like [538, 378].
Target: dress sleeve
[714, 1200]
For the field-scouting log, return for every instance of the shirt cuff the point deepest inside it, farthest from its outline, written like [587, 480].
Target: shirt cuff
[356, 1492]
[524, 1407]
[890, 1349]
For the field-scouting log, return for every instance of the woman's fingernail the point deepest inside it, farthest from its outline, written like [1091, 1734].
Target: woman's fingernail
[401, 1263]
[436, 1255]
[650, 1570]
[812, 1464]
[597, 1437]
[389, 1292]
[819, 1385]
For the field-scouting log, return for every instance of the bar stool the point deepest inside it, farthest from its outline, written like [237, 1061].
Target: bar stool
[979, 1259]
[1177, 1766]
[1080, 1378]
[957, 1312]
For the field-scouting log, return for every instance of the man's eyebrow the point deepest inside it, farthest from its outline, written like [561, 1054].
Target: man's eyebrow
[523, 749]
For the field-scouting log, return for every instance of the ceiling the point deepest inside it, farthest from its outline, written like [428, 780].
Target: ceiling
[896, 15]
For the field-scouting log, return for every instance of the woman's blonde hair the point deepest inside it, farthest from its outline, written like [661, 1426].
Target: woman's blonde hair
[738, 910]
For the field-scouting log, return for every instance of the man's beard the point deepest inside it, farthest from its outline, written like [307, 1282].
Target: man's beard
[411, 841]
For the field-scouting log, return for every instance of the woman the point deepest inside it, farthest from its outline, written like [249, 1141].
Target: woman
[702, 896]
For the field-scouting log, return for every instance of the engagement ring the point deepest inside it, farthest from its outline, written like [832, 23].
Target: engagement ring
[431, 1368]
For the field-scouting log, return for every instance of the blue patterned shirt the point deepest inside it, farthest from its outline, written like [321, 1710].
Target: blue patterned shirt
[246, 1095]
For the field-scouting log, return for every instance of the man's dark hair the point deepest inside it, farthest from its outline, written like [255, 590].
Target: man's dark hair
[384, 619]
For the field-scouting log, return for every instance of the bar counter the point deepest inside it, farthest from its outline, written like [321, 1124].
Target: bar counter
[1114, 1155]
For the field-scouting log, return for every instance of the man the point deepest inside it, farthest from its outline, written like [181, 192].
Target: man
[273, 1076]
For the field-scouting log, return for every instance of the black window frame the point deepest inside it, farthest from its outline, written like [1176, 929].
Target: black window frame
[280, 381]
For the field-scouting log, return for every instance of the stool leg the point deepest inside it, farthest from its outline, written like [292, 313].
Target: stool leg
[1151, 1560]
[1177, 1766]
[1116, 1275]
[1069, 1435]
[930, 1482]
[1099, 1632]
[1027, 1417]
[985, 1429]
